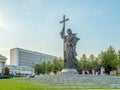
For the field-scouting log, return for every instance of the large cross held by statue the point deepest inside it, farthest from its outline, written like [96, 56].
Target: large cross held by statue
[63, 21]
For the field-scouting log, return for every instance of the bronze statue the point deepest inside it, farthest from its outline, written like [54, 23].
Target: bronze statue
[70, 42]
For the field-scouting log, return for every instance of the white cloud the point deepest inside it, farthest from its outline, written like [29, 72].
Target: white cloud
[2, 25]
[4, 49]
[2, 22]
[5, 23]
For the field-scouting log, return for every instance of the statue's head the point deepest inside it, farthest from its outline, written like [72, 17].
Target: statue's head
[69, 31]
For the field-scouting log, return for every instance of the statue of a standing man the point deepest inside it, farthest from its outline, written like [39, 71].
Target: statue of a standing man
[70, 41]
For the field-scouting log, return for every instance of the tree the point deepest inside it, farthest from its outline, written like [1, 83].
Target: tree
[47, 67]
[58, 64]
[118, 57]
[44, 67]
[93, 62]
[118, 54]
[82, 63]
[109, 59]
[38, 69]
[6, 71]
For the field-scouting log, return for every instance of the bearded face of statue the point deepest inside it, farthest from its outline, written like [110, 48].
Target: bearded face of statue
[69, 31]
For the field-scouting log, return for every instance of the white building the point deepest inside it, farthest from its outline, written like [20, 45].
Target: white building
[22, 57]
[2, 62]
[20, 70]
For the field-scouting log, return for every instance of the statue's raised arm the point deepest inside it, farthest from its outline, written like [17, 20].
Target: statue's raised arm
[62, 34]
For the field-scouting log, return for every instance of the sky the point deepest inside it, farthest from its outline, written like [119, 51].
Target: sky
[34, 25]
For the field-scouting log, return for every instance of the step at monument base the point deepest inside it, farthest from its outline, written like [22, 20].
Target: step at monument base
[69, 72]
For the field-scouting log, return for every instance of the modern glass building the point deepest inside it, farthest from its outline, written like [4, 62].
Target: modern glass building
[20, 70]
[22, 57]
[2, 62]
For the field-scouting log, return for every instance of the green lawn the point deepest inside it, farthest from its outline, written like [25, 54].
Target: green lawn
[13, 84]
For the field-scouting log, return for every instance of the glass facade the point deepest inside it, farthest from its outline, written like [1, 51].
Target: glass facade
[22, 57]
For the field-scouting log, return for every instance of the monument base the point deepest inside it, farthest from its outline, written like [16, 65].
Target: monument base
[69, 72]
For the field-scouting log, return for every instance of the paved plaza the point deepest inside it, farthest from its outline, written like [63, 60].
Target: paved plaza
[78, 81]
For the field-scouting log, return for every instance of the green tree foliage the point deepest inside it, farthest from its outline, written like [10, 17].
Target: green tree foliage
[38, 69]
[87, 63]
[82, 63]
[6, 71]
[109, 59]
[118, 63]
[93, 62]
[118, 55]
[58, 64]
[47, 67]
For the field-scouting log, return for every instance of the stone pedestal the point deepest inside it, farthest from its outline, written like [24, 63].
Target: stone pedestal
[83, 72]
[69, 72]
[102, 71]
[93, 72]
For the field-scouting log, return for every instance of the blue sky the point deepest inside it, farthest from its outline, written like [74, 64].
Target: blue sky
[34, 25]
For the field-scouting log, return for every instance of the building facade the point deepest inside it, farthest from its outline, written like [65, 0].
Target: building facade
[20, 70]
[2, 62]
[22, 57]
